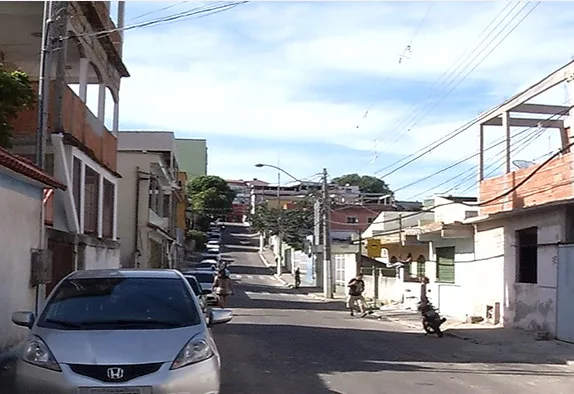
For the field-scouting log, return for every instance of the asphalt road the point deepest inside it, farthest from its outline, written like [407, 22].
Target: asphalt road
[282, 341]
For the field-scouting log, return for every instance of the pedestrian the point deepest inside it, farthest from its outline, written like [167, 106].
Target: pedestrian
[297, 278]
[356, 287]
[222, 287]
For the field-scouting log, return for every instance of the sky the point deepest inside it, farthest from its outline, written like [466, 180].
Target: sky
[313, 85]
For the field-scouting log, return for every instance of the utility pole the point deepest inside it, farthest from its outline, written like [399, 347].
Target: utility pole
[327, 266]
[279, 224]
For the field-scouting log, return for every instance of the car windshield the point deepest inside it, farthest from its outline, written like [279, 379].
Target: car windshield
[204, 277]
[120, 303]
[194, 284]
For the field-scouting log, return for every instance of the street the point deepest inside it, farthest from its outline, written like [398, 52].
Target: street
[282, 340]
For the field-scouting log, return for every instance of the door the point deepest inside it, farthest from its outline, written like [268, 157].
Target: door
[565, 294]
[63, 262]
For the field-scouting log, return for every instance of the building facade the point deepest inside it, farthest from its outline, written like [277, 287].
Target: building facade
[23, 188]
[151, 196]
[192, 154]
[81, 152]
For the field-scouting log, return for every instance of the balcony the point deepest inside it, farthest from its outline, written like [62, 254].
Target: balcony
[550, 184]
[158, 221]
[21, 31]
[82, 126]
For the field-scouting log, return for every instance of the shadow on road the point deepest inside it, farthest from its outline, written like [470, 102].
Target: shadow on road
[252, 354]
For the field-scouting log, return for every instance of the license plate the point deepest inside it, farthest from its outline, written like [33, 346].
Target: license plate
[116, 390]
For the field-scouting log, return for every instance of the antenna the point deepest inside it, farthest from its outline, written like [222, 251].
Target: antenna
[523, 163]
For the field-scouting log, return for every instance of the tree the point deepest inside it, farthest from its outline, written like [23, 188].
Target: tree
[16, 95]
[209, 196]
[295, 223]
[366, 183]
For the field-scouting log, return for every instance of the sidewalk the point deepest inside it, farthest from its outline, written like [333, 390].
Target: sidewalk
[514, 341]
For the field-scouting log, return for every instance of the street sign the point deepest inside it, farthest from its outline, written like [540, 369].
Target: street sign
[374, 248]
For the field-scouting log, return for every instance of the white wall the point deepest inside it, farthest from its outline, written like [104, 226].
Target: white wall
[20, 209]
[455, 299]
[527, 306]
[452, 212]
[101, 258]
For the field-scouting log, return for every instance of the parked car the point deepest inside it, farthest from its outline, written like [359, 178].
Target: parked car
[215, 247]
[211, 254]
[206, 279]
[208, 265]
[196, 287]
[120, 331]
[213, 242]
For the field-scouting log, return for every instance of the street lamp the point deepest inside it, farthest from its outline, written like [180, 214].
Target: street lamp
[279, 217]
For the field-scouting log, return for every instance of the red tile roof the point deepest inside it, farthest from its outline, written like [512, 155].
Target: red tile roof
[25, 167]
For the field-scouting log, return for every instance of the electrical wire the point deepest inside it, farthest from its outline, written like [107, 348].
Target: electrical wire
[195, 12]
[413, 116]
[496, 143]
[430, 147]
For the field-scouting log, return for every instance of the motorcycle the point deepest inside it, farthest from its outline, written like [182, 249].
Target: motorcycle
[431, 318]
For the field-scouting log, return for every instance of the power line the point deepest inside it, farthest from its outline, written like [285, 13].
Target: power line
[198, 12]
[496, 143]
[438, 82]
[428, 148]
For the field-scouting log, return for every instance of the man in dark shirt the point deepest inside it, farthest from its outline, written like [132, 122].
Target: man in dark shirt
[356, 287]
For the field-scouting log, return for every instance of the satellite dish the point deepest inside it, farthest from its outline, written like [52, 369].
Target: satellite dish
[523, 163]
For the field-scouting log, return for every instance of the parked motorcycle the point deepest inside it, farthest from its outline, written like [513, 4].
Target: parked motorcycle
[431, 318]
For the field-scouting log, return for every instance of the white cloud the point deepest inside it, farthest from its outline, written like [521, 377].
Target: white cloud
[198, 77]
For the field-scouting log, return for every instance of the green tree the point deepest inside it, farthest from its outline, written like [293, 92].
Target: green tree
[209, 197]
[16, 95]
[295, 223]
[366, 183]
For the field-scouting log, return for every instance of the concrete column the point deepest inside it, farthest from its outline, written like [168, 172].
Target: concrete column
[116, 121]
[84, 68]
[102, 103]
[115, 214]
[506, 128]
[81, 219]
[481, 153]
[100, 206]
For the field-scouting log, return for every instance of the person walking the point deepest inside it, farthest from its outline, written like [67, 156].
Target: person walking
[356, 288]
[297, 278]
[223, 287]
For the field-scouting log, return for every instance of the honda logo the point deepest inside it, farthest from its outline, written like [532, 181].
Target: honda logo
[115, 373]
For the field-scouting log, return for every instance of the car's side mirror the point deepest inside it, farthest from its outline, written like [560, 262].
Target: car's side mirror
[23, 319]
[219, 316]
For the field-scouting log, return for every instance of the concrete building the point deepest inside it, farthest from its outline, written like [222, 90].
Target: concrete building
[524, 232]
[81, 152]
[151, 190]
[23, 187]
[192, 154]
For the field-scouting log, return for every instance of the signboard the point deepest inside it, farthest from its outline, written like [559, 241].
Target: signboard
[374, 248]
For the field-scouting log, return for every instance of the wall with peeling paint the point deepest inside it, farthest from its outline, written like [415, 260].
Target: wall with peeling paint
[524, 305]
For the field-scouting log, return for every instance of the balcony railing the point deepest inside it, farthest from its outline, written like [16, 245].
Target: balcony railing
[78, 121]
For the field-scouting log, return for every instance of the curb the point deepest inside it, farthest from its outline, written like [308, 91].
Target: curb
[277, 277]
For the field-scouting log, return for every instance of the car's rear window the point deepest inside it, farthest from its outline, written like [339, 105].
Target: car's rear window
[204, 277]
[121, 303]
[194, 284]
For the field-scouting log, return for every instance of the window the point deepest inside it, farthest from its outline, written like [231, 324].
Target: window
[527, 255]
[108, 210]
[370, 220]
[421, 269]
[120, 304]
[352, 220]
[340, 270]
[166, 206]
[77, 183]
[445, 265]
[91, 196]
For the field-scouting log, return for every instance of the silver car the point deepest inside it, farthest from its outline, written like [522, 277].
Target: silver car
[120, 332]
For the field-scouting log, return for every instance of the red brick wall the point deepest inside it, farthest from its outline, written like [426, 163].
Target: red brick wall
[551, 183]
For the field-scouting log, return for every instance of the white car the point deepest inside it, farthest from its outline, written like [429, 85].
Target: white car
[215, 247]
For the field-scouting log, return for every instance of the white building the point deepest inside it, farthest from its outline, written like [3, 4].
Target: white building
[22, 191]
